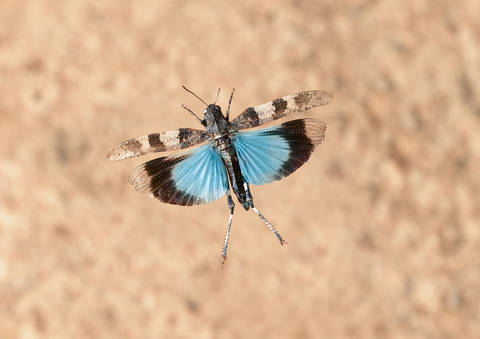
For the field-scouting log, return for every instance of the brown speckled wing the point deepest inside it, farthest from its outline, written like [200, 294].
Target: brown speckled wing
[157, 142]
[279, 108]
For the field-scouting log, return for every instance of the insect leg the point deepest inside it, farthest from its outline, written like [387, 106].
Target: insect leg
[231, 207]
[270, 226]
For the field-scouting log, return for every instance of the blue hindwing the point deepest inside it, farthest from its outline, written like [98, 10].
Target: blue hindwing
[272, 153]
[189, 178]
[201, 175]
[261, 155]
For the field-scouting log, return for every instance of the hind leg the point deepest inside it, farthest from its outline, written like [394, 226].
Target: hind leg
[270, 226]
[231, 207]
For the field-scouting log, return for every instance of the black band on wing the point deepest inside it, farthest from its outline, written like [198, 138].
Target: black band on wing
[280, 105]
[154, 141]
[155, 177]
[162, 186]
[301, 145]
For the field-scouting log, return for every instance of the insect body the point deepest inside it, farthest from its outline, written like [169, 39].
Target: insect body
[229, 157]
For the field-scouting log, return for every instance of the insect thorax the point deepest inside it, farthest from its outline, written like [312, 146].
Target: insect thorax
[223, 143]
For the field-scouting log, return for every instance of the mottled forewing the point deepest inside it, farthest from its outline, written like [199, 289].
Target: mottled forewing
[190, 178]
[275, 152]
[278, 108]
[157, 142]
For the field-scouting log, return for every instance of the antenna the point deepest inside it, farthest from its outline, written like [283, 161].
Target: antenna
[229, 102]
[196, 96]
[218, 92]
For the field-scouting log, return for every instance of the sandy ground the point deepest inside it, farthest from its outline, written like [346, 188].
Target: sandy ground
[382, 223]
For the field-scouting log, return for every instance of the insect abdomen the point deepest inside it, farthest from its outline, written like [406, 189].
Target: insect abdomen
[230, 160]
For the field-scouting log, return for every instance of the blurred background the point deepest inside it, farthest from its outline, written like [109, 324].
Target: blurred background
[382, 222]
